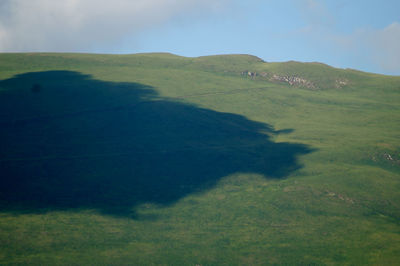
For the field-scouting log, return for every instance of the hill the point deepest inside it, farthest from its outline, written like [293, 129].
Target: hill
[227, 159]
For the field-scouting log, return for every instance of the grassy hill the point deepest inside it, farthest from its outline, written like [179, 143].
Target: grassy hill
[218, 160]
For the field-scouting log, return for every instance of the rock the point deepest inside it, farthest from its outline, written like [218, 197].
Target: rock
[293, 81]
[340, 83]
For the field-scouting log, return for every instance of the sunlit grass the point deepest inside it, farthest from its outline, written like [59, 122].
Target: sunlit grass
[340, 207]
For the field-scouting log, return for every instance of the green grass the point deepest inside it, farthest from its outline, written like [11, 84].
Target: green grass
[200, 165]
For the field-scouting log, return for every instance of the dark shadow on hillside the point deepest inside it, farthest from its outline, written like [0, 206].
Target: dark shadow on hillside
[69, 141]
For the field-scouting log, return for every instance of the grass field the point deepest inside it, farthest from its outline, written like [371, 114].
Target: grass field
[222, 160]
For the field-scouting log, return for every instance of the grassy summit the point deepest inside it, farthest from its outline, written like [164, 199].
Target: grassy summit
[162, 159]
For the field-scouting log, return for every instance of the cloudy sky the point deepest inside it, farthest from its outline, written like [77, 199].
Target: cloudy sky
[360, 34]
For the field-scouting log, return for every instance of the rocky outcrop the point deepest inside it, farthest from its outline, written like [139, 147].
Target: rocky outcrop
[291, 80]
[294, 81]
[340, 83]
[249, 73]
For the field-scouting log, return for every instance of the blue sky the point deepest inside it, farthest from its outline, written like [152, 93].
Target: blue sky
[356, 34]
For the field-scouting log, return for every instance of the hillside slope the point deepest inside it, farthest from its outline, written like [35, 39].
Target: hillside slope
[162, 159]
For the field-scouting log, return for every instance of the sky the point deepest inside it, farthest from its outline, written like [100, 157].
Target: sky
[358, 34]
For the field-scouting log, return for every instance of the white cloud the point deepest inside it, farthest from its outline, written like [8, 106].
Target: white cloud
[376, 50]
[81, 25]
[385, 45]
[380, 47]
